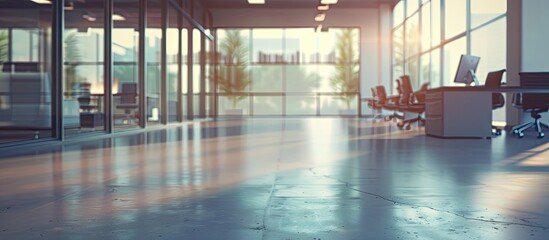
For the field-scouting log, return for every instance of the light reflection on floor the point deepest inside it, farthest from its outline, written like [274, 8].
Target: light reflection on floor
[279, 179]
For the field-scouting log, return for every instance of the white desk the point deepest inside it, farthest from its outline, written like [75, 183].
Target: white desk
[458, 112]
[464, 112]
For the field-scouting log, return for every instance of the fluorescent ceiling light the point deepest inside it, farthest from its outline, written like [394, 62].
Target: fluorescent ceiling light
[69, 5]
[118, 17]
[256, 1]
[89, 16]
[328, 1]
[41, 1]
[320, 17]
[323, 7]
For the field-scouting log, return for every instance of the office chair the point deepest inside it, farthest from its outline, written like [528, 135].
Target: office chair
[411, 101]
[84, 97]
[493, 80]
[535, 103]
[387, 103]
[128, 101]
[373, 103]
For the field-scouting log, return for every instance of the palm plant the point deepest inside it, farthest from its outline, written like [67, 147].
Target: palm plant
[233, 78]
[3, 46]
[345, 79]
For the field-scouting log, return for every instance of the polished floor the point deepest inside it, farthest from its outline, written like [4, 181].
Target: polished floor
[314, 178]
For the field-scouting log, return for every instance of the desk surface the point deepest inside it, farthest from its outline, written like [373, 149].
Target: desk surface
[514, 89]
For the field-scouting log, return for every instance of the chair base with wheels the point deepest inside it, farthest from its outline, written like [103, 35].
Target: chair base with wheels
[496, 131]
[406, 123]
[537, 124]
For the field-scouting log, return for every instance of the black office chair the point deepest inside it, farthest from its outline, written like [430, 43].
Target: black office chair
[493, 80]
[535, 103]
[128, 101]
[84, 97]
[411, 101]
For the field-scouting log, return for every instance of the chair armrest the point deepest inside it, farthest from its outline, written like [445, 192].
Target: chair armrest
[419, 97]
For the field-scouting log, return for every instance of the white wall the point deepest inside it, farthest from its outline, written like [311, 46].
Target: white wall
[526, 28]
[535, 36]
[375, 49]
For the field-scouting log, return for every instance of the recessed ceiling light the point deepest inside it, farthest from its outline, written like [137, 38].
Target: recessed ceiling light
[256, 1]
[89, 16]
[319, 28]
[328, 1]
[118, 17]
[69, 5]
[41, 1]
[320, 17]
[323, 7]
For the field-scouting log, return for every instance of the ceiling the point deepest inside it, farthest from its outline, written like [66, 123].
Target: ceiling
[293, 3]
[26, 13]
[226, 4]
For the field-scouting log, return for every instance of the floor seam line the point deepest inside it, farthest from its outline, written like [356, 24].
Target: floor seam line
[348, 185]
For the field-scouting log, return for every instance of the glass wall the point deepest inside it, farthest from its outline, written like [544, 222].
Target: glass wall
[173, 61]
[25, 71]
[83, 70]
[28, 90]
[125, 49]
[435, 33]
[209, 77]
[197, 75]
[184, 69]
[294, 71]
[153, 35]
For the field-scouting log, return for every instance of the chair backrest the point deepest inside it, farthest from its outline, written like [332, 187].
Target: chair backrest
[398, 86]
[381, 94]
[535, 80]
[420, 94]
[406, 86]
[128, 93]
[493, 79]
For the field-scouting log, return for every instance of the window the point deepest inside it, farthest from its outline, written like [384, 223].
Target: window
[411, 7]
[398, 13]
[452, 54]
[293, 71]
[435, 22]
[488, 44]
[454, 18]
[483, 11]
[421, 53]
[426, 27]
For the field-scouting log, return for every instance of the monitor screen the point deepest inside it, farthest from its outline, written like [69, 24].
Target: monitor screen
[466, 70]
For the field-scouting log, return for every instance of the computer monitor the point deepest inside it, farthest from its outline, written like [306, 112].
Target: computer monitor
[466, 70]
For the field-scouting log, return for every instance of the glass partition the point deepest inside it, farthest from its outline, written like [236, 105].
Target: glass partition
[26, 75]
[153, 80]
[25, 72]
[197, 74]
[172, 54]
[125, 48]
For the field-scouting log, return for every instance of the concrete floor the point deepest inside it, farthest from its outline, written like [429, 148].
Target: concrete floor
[315, 178]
